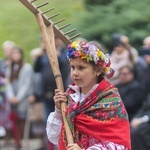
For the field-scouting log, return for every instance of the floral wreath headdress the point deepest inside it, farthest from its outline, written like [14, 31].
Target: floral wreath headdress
[90, 52]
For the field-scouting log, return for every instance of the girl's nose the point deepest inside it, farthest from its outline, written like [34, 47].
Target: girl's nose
[75, 72]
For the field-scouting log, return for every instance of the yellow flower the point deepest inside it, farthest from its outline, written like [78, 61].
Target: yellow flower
[103, 56]
[74, 45]
[106, 69]
[99, 53]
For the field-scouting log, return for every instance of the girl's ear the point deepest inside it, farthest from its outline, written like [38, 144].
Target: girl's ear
[98, 70]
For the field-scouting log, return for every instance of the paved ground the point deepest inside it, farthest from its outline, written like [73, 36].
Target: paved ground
[33, 145]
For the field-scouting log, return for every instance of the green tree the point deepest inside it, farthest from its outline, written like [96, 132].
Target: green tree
[128, 17]
[18, 24]
[97, 2]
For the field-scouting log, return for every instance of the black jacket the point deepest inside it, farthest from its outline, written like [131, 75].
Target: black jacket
[133, 96]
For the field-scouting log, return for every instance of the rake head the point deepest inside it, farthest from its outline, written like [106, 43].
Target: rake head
[48, 20]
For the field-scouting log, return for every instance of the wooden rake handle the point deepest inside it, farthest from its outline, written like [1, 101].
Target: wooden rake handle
[48, 28]
[48, 39]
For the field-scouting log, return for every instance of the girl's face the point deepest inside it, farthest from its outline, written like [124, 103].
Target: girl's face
[83, 74]
[16, 56]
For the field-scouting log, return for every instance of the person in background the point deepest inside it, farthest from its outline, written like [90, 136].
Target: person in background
[142, 67]
[140, 127]
[123, 54]
[48, 83]
[5, 122]
[19, 88]
[95, 111]
[131, 92]
[5, 63]
[133, 52]
[140, 124]
[36, 104]
[116, 38]
[120, 56]
[43, 66]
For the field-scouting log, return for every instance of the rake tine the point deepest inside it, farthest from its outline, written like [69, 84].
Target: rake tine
[64, 26]
[33, 1]
[70, 31]
[47, 22]
[53, 16]
[76, 35]
[59, 21]
[48, 11]
[42, 5]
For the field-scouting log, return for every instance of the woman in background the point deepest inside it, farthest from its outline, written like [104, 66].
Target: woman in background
[19, 89]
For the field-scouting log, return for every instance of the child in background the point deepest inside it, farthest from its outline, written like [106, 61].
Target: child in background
[95, 112]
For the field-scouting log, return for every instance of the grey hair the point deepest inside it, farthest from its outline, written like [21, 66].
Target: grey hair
[8, 43]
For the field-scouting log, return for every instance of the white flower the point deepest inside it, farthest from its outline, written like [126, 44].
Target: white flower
[78, 47]
[107, 58]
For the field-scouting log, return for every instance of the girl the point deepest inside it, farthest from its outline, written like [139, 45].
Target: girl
[95, 112]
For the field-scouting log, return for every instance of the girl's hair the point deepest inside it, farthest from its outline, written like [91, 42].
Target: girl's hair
[103, 49]
[15, 67]
[102, 75]
[8, 43]
[99, 46]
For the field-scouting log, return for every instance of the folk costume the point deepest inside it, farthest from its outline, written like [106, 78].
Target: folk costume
[99, 119]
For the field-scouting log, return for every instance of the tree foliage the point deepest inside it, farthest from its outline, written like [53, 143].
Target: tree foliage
[97, 2]
[18, 24]
[95, 19]
[128, 17]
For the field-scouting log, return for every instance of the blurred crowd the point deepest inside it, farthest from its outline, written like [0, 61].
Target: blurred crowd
[26, 93]
[27, 90]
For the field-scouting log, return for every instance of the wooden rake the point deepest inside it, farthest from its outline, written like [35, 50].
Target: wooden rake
[49, 29]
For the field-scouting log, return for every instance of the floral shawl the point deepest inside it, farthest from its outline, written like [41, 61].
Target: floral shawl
[101, 116]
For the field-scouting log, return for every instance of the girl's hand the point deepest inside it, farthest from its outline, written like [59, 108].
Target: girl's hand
[73, 146]
[59, 97]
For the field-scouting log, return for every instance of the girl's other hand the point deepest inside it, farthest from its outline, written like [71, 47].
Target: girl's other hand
[73, 146]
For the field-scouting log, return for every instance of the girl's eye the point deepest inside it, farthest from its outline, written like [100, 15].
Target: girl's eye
[81, 67]
[72, 67]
